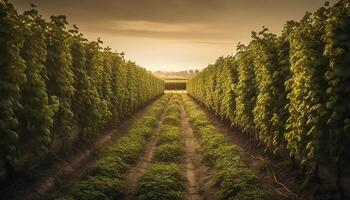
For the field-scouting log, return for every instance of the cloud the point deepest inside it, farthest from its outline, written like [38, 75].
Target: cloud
[192, 32]
[142, 25]
[199, 30]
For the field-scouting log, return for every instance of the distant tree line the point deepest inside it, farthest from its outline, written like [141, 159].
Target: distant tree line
[54, 81]
[289, 92]
[186, 74]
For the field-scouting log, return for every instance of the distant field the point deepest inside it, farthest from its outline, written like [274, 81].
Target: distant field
[175, 84]
[175, 81]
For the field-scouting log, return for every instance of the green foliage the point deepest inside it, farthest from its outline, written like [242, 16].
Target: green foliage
[110, 165]
[172, 119]
[337, 42]
[168, 152]
[36, 116]
[228, 88]
[291, 90]
[306, 124]
[108, 89]
[54, 83]
[269, 113]
[90, 109]
[84, 99]
[245, 89]
[60, 77]
[161, 182]
[169, 134]
[12, 77]
[97, 187]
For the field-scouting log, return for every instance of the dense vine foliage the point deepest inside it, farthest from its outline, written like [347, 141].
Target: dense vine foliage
[56, 86]
[290, 91]
[268, 111]
[12, 77]
[306, 124]
[337, 49]
[60, 77]
[217, 94]
[36, 115]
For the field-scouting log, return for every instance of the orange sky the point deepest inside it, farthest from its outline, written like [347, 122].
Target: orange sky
[174, 35]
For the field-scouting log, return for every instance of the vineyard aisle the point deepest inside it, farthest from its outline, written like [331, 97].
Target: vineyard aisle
[214, 164]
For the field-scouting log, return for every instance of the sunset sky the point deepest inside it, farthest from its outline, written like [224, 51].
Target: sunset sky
[174, 35]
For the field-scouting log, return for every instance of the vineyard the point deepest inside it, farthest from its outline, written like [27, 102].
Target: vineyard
[79, 121]
[54, 83]
[289, 92]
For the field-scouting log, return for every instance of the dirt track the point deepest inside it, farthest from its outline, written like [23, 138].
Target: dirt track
[199, 176]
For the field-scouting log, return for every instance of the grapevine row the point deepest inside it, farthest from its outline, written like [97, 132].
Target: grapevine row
[54, 82]
[289, 92]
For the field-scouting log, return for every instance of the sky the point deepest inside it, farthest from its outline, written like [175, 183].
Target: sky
[174, 35]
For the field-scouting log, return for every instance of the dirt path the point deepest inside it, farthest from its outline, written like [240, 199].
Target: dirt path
[276, 176]
[59, 172]
[199, 176]
[134, 173]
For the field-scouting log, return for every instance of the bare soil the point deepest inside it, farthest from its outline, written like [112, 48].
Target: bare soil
[136, 171]
[60, 171]
[200, 184]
